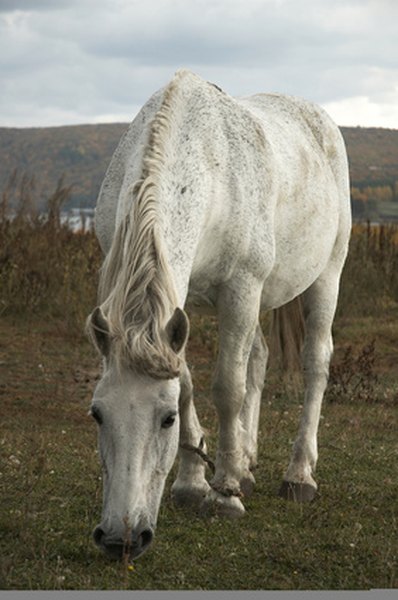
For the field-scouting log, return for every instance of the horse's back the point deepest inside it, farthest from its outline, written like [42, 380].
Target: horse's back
[312, 215]
[294, 124]
[261, 183]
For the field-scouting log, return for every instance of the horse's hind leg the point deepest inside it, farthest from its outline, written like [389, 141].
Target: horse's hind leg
[250, 412]
[190, 486]
[319, 307]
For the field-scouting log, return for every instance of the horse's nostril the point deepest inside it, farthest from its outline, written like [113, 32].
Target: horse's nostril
[98, 534]
[116, 548]
[146, 538]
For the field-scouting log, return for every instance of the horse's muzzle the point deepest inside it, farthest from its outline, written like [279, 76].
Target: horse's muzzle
[132, 547]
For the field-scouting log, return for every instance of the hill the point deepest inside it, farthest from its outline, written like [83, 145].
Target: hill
[82, 153]
[372, 154]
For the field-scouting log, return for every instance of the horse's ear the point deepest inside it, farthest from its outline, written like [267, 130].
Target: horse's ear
[99, 331]
[177, 330]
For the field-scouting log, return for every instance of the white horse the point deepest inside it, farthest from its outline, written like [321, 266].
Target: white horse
[227, 205]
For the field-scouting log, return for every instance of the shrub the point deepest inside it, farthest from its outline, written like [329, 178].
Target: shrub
[46, 268]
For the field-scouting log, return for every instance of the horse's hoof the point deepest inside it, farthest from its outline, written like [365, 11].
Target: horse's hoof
[189, 496]
[247, 484]
[297, 492]
[223, 506]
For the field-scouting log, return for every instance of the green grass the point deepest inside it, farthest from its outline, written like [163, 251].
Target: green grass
[51, 491]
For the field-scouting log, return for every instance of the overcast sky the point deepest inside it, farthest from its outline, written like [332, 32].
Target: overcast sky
[92, 61]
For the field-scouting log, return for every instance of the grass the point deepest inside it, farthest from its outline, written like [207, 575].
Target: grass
[51, 489]
[50, 478]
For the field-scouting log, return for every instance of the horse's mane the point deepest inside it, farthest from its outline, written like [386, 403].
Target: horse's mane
[136, 289]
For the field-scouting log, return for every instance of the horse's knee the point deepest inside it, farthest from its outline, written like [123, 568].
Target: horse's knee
[228, 396]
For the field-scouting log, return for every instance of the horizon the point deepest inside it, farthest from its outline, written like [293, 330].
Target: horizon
[127, 123]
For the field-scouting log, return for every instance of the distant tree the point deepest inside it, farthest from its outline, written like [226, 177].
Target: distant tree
[395, 191]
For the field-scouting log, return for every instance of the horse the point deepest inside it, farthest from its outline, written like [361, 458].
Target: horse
[229, 206]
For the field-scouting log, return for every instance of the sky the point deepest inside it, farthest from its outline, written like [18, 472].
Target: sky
[66, 62]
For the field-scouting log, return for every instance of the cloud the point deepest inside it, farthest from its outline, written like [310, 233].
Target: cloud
[356, 110]
[34, 5]
[87, 60]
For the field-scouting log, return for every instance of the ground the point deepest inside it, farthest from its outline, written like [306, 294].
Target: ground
[50, 476]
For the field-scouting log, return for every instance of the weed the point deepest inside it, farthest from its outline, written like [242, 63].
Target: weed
[370, 276]
[45, 268]
[353, 378]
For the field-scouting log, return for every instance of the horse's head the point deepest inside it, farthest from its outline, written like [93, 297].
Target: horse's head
[138, 429]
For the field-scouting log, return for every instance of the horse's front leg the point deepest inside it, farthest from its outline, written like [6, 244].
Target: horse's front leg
[238, 311]
[250, 412]
[190, 486]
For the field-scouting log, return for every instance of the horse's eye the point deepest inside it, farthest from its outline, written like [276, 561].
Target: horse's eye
[95, 413]
[169, 421]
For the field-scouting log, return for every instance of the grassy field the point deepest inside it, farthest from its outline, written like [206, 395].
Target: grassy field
[50, 476]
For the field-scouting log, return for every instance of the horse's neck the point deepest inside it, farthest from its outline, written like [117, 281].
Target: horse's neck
[179, 240]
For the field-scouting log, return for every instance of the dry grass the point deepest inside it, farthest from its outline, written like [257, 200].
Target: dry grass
[370, 277]
[45, 268]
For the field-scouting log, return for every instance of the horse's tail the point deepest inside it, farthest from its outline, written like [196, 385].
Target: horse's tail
[286, 335]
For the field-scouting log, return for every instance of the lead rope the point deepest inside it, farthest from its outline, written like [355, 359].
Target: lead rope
[199, 451]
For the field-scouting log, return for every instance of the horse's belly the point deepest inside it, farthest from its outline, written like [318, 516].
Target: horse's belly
[281, 287]
[296, 267]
